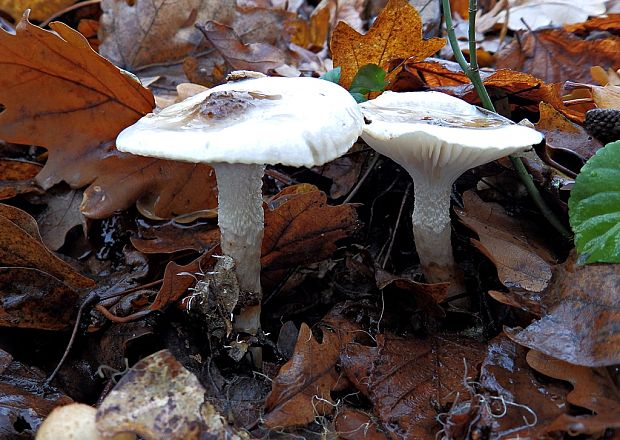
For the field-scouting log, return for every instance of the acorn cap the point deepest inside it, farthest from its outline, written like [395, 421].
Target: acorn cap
[269, 120]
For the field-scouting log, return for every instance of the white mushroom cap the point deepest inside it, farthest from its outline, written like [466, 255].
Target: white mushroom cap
[438, 135]
[436, 138]
[74, 422]
[290, 121]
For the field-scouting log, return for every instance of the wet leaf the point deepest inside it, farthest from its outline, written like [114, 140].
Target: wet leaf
[521, 261]
[594, 207]
[169, 238]
[24, 401]
[593, 388]
[259, 57]
[158, 398]
[395, 34]
[567, 145]
[31, 298]
[581, 321]
[21, 246]
[409, 381]
[61, 214]
[509, 384]
[40, 9]
[555, 56]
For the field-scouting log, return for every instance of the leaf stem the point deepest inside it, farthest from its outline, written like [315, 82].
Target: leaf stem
[472, 71]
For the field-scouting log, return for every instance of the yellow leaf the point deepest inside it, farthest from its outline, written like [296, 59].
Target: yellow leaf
[395, 34]
[41, 9]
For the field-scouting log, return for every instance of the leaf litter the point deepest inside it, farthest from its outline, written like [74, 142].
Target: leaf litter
[378, 353]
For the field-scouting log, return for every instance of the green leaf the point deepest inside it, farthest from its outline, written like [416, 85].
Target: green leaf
[358, 97]
[332, 75]
[594, 207]
[370, 78]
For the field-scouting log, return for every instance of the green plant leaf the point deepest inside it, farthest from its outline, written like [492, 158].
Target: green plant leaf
[594, 207]
[370, 78]
[332, 75]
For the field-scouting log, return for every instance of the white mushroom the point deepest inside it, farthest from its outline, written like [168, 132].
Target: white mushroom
[237, 128]
[75, 421]
[436, 138]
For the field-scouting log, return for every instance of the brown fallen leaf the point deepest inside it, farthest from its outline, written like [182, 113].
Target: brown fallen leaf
[352, 424]
[144, 32]
[301, 228]
[555, 55]
[31, 298]
[410, 381]
[168, 238]
[159, 398]
[302, 389]
[517, 402]
[21, 246]
[259, 57]
[79, 106]
[593, 388]
[428, 296]
[567, 145]
[522, 261]
[581, 320]
[60, 215]
[17, 177]
[25, 401]
[40, 9]
[609, 22]
[395, 34]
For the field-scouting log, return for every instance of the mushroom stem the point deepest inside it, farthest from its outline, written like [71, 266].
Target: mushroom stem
[241, 222]
[431, 231]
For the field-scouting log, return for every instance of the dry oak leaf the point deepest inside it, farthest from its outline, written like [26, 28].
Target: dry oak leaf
[395, 34]
[581, 316]
[21, 246]
[79, 105]
[302, 388]
[557, 56]
[142, 32]
[40, 9]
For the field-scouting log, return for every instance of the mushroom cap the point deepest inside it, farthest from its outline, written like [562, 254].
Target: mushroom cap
[290, 121]
[439, 136]
[75, 421]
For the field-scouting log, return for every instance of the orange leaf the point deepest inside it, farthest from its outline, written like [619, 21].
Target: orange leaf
[60, 94]
[395, 34]
[41, 9]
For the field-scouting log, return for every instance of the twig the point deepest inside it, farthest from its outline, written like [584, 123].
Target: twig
[471, 70]
[360, 182]
[400, 214]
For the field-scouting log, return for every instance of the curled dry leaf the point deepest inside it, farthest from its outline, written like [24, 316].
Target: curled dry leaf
[80, 105]
[410, 380]
[556, 56]
[40, 9]
[158, 398]
[395, 34]
[21, 246]
[581, 320]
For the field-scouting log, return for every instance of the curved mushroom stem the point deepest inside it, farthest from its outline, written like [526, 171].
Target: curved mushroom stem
[431, 231]
[241, 222]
